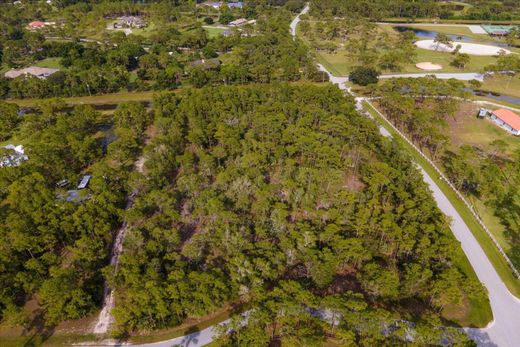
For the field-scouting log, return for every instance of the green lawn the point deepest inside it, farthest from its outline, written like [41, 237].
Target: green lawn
[499, 263]
[146, 31]
[503, 85]
[114, 98]
[213, 31]
[476, 63]
[53, 63]
[467, 129]
[341, 64]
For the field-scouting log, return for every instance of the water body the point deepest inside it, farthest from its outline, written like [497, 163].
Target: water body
[495, 96]
[428, 34]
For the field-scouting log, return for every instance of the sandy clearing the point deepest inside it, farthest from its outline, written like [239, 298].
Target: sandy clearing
[428, 66]
[469, 48]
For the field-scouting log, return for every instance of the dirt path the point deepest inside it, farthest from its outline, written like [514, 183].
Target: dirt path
[105, 318]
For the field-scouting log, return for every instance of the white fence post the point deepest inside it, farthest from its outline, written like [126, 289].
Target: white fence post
[461, 197]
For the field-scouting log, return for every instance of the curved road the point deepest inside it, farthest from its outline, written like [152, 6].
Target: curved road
[503, 331]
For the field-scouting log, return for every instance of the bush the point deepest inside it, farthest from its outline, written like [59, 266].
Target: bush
[364, 76]
[208, 20]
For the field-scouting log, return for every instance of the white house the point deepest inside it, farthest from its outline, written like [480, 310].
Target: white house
[36, 71]
[238, 22]
[507, 119]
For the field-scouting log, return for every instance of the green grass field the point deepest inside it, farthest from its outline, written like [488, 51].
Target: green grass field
[341, 64]
[499, 263]
[213, 31]
[503, 85]
[114, 98]
[53, 63]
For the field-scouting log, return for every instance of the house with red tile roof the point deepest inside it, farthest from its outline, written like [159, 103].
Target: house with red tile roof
[39, 24]
[36, 24]
[507, 119]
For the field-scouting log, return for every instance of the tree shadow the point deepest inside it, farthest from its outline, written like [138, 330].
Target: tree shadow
[37, 330]
[481, 338]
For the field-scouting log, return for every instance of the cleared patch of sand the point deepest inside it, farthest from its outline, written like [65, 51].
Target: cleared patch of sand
[469, 48]
[428, 66]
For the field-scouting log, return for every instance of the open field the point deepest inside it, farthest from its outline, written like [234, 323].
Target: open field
[503, 85]
[53, 63]
[499, 263]
[342, 64]
[213, 31]
[476, 64]
[114, 98]
[467, 129]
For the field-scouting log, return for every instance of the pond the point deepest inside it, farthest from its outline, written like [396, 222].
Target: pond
[428, 34]
[495, 96]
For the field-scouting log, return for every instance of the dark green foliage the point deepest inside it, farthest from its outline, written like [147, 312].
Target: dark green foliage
[363, 76]
[379, 9]
[9, 119]
[281, 197]
[52, 249]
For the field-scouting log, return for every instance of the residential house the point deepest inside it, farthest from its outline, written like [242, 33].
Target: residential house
[40, 72]
[238, 22]
[507, 119]
[35, 25]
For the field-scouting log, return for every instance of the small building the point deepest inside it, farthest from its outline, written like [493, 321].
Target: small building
[84, 182]
[12, 155]
[40, 72]
[36, 24]
[498, 30]
[507, 119]
[39, 24]
[483, 112]
[238, 22]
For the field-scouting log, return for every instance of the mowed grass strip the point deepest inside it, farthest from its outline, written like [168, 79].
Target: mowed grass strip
[113, 98]
[499, 263]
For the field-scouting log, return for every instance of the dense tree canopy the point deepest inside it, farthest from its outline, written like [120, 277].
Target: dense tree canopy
[287, 198]
[53, 248]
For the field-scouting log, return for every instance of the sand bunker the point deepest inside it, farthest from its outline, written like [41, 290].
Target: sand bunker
[428, 66]
[469, 48]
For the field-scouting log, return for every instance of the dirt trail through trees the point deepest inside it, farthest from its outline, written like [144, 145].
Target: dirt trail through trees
[105, 317]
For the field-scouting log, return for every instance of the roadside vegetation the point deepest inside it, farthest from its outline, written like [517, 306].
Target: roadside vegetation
[478, 157]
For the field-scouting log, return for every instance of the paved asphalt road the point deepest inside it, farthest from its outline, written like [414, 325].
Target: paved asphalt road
[504, 331]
